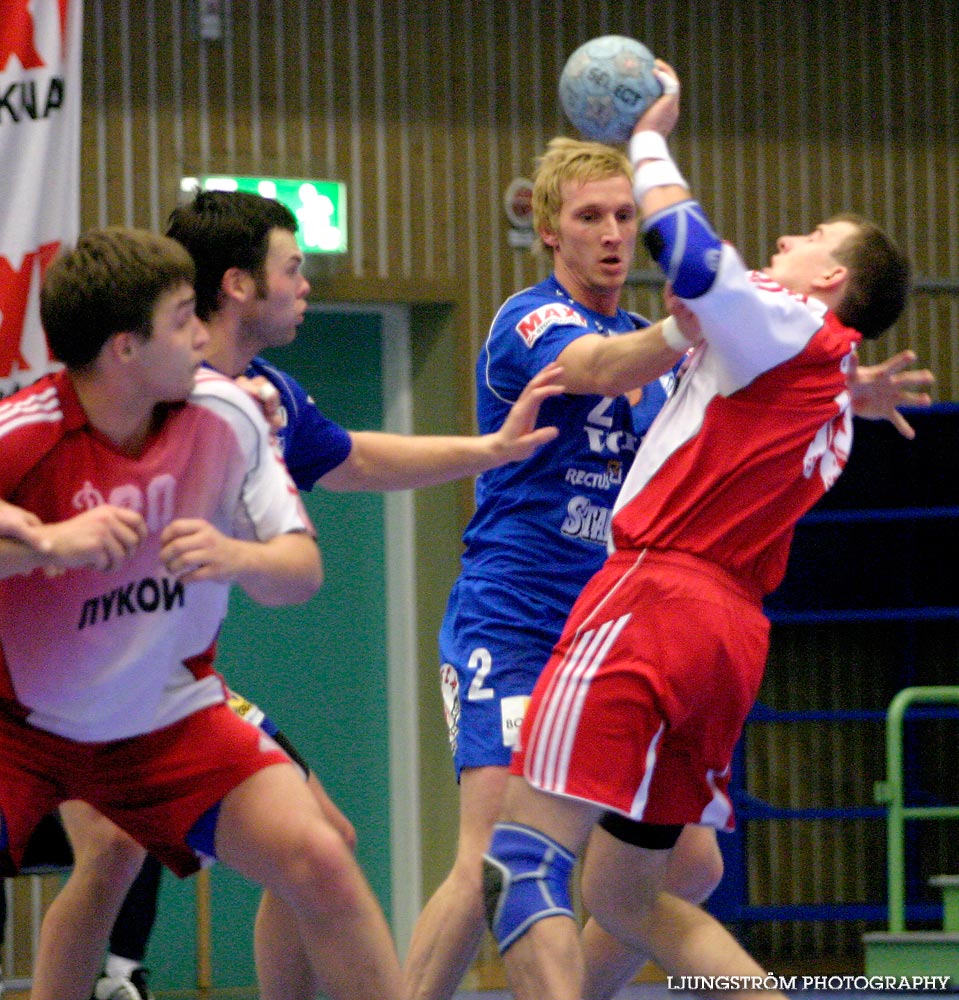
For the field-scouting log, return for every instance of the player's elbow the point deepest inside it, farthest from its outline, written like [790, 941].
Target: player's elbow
[309, 581]
[289, 593]
[294, 580]
[682, 241]
[309, 585]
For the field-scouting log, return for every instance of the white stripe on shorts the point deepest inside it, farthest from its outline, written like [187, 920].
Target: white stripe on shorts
[556, 734]
[642, 793]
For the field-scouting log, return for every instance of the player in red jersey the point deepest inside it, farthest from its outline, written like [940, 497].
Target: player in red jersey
[157, 487]
[646, 692]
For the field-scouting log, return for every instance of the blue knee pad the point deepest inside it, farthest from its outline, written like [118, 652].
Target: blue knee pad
[684, 244]
[525, 878]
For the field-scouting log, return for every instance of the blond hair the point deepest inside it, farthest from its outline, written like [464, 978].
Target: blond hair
[570, 160]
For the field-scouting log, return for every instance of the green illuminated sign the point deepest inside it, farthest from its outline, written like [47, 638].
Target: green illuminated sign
[319, 206]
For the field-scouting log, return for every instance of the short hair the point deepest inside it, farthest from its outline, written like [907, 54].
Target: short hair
[879, 277]
[571, 160]
[109, 282]
[224, 229]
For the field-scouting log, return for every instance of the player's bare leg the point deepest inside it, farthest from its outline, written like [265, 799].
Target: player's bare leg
[693, 871]
[450, 929]
[272, 830]
[76, 928]
[283, 970]
[683, 939]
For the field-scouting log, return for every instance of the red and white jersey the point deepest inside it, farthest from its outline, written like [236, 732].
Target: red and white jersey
[759, 427]
[96, 656]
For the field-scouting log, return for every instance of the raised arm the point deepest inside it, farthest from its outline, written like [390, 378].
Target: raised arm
[658, 184]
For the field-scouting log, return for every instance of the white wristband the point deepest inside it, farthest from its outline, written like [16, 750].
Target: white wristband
[648, 145]
[652, 164]
[656, 173]
[673, 335]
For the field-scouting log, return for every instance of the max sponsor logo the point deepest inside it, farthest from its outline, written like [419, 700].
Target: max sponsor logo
[533, 325]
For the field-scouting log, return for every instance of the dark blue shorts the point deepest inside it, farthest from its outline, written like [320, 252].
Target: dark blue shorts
[494, 641]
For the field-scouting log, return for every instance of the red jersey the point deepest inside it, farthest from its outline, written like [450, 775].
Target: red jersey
[663, 654]
[759, 427]
[97, 656]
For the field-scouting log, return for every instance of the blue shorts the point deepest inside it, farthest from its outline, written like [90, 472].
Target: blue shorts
[494, 642]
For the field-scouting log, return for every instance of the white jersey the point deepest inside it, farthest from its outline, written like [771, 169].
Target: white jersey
[96, 656]
[759, 427]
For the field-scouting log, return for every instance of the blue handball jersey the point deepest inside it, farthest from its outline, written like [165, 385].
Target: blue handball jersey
[541, 525]
[311, 443]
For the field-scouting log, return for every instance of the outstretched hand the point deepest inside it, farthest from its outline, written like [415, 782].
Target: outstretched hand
[878, 390]
[519, 437]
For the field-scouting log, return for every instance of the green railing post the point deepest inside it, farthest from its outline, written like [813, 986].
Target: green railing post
[891, 793]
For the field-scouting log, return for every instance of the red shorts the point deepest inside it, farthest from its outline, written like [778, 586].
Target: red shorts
[644, 698]
[154, 786]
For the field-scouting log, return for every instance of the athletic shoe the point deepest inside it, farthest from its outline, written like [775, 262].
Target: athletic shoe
[133, 987]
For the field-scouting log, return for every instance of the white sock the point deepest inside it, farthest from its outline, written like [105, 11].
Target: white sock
[118, 967]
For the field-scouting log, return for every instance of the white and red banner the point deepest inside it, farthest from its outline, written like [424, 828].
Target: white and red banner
[40, 76]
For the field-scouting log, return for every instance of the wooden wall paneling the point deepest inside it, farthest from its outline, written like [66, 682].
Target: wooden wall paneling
[427, 111]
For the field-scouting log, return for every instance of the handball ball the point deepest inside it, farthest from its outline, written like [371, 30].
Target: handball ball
[606, 84]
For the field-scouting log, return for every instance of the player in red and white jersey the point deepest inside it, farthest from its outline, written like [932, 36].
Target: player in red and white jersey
[146, 616]
[156, 489]
[751, 439]
[641, 704]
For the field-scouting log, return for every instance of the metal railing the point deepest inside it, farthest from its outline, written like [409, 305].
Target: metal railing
[891, 793]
